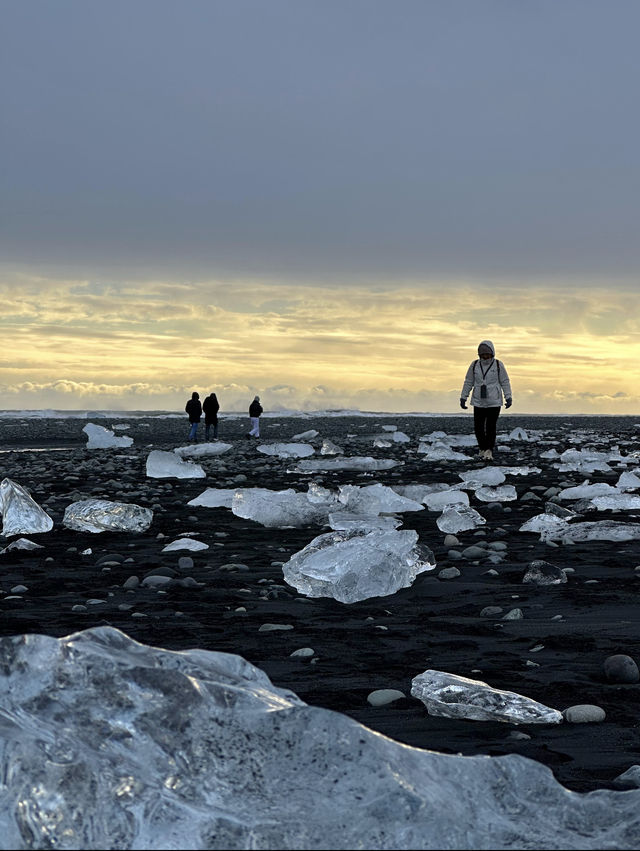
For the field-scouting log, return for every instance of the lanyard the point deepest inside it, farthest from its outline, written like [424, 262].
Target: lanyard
[485, 372]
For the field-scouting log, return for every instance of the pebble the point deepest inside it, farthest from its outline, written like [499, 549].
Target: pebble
[274, 627]
[513, 615]
[384, 696]
[474, 552]
[451, 541]
[131, 582]
[617, 669]
[19, 589]
[303, 653]
[78, 608]
[491, 611]
[584, 713]
[448, 573]
[454, 555]
[185, 563]
[156, 580]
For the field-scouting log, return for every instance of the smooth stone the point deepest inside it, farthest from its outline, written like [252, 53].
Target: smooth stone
[131, 582]
[491, 611]
[155, 580]
[384, 696]
[302, 652]
[474, 552]
[584, 713]
[617, 669]
[454, 555]
[185, 563]
[451, 541]
[273, 627]
[448, 573]
[78, 608]
[19, 589]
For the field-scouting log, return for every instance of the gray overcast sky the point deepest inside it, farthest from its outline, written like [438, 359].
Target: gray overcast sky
[332, 139]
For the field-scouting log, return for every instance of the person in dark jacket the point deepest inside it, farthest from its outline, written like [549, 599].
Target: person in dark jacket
[255, 409]
[210, 408]
[488, 379]
[194, 409]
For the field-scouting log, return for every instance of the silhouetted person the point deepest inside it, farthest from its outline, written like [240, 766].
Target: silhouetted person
[488, 378]
[255, 409]
[210, 408]
[194, 409]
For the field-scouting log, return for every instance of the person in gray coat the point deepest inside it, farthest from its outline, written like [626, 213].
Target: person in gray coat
[487, 377]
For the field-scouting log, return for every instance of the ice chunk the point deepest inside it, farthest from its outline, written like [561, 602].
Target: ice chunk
[467, 440]
[441, 452]
[542, 573]
[306, 435]
[21, 515]
[21, 544]
[399, 437]
[504, 493]
[419, 492]
[379, 443]
[329, 448]
[280, 508]
[103, 515]
[345, 521]
[451, 696]
[602, 530]
[375, 499]
[167, 465]
[550, 454]
[586, 491]
[389, 428]
[548, 526]
[487, 476]
[521, 434]
[628, 481]
[214, 498]
[439, 500]
[103, 438]
[286, 450]
[520, 471]
[351, 566]
[353, 462]
[247, 754]
[620, 501]
[185, 544]
[459, 518]
[202, 450]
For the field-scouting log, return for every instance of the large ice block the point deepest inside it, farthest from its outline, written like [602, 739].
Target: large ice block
[352, 565]
[103, 515]
[280, 508]
[168, 465]
[459, 518]
[103, 438]
[375, 499]
[21, 515]
[203, 450]
[353, 462]
[286, 450]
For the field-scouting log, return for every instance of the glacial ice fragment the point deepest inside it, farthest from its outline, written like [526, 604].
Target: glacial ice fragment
[306, 435]
[459, 518]
[21, 544]
[602, 530]
[280, 508]
[21, 515]
[351, 566]
[342, 521]
[628, 481]
[286, 450]
[619, 501]
[214, 498]
[330, 448]
[375, 499]
[202, 450]
[503, 493]
[168, 465]
[451, 696]
[103, 515]
[441, 452]
[103, 438]
[587, 491]
[245, 776]
[185, 544]
[487, 476]
[353, 462]
[439, 500]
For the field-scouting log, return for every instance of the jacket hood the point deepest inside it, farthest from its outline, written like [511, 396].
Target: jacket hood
[488, 345]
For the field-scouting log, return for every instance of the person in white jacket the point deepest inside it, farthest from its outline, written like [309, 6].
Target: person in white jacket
[488, 379]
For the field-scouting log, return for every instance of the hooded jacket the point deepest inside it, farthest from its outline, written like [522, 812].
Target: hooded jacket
[194, 408]
[210, 408]
[494, 376]
[255, 408]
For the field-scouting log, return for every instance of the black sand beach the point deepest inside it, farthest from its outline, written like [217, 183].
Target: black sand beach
[379, 643]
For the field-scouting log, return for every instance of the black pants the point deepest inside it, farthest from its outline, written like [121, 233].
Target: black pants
[484, 423]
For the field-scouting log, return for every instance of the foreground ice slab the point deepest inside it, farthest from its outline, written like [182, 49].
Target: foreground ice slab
[103, 438]
[459, 518]
[21, 515]
[102, 515]
[354, 462]
[168, 465]
[214, 498]
[375, 499]
[351, 565]
[452, 696]
[503, 493]
[199, 750]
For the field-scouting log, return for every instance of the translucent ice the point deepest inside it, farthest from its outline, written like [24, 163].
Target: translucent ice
[602, 530]
[628, 481]
[351, 566]
[353, 462]
[306, 435]
[103, 438]
[587, 491]
[21, 515]
[214, 498]
[452, 696]
[616, 502]
[21, 544]
[419, 492]
[102, 515]
[503, 493]
[286, 450]
[280, 508]
[375, 499]
[441, 499]
[549, 526]
[474, 479]
[167, 465]
[329, 448]
[202, 450]
[441, 452]
[107, 743]
[459, 518]
[345, 521]
[185, 544]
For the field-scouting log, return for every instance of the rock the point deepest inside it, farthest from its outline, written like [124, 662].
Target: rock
[491, 611]
[384, 696]
[621, 669]
[274, 627]
[584, 713]
[544, 573]
[301, 653]
[474, 552]
[185, 563]
[513, 615]
[451, 541]
[131, 583]
[448, 573]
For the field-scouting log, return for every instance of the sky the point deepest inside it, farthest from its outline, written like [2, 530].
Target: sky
[329, 203]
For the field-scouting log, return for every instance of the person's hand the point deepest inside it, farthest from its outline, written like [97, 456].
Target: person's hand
[508, 403]
[463, 404]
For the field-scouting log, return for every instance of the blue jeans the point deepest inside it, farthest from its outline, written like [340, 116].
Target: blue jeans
[194, 431]
[207, 428]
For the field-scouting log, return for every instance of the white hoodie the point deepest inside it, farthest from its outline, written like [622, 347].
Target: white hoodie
[491, 373]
